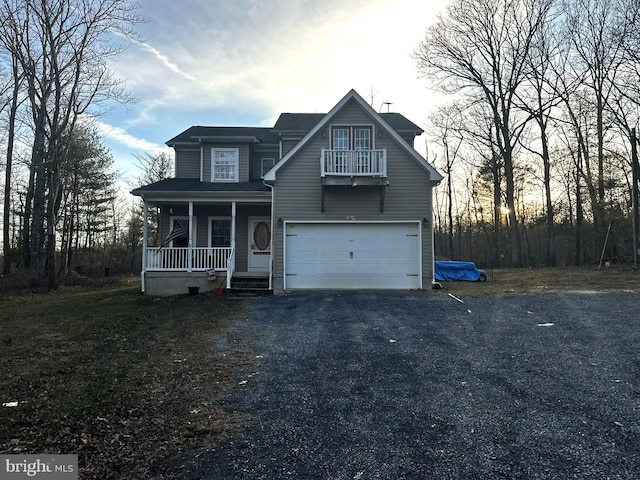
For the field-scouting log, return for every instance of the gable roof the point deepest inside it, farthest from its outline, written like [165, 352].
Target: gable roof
[193, 135]
[382, 119]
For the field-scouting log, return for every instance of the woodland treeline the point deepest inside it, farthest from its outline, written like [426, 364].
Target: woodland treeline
[60, 198]
[535, 140]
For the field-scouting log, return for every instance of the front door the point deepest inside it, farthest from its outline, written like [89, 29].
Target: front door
[259, 243]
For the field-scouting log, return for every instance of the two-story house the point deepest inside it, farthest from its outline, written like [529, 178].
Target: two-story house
[339, 200]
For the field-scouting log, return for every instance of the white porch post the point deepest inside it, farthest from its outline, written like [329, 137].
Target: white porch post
[190, 245]
[145, 233]
[233, 225]
[231, 261]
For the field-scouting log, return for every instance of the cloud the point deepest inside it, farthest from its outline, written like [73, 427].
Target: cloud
[165, 60]
[122, 137]
[214, 62]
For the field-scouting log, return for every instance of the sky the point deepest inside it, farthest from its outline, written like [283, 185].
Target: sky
[243, 62]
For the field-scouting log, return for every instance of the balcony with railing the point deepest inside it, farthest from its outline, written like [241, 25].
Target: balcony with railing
[348, 164]
[353, 168]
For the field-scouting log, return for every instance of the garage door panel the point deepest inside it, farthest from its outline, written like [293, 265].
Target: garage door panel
[342, 256]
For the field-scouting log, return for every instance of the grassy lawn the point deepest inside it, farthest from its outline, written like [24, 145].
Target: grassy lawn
[118, 378]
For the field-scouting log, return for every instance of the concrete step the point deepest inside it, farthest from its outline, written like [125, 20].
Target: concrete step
[249, 284]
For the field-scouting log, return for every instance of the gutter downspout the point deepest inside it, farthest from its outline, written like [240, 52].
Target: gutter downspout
[433, 255]
[435, 285]
[191, 240]
[273, 236]
[201, 161]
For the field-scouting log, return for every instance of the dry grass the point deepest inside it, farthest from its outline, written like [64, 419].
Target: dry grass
[120, 379]
[525, 280]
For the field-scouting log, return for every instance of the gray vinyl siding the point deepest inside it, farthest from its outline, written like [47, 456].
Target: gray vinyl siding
[202, 213]
[407, 197]
[256, 161]
[243, 168]
[288, 143]
[187, 163]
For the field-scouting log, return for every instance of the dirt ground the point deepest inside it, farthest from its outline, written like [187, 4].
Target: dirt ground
[524, 280]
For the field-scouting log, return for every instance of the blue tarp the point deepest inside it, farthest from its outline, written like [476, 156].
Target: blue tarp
[459, 271]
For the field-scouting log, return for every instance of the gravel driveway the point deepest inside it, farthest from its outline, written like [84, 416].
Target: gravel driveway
[412, 385]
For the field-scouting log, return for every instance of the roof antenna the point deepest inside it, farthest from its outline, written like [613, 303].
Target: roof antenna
[387, 104]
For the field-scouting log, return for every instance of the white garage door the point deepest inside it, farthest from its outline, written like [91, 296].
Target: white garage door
[352, 255]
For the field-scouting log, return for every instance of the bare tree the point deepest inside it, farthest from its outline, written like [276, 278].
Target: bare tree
[153, 168]
[6, 220]
[450, 138]
[539, 100]
[61, 48]
[481, 48]
[599, 31]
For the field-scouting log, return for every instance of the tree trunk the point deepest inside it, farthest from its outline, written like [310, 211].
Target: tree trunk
[37, 234]
[579, 212]
[550, 259]
[497, 209]
[514, 237]
[6, 238]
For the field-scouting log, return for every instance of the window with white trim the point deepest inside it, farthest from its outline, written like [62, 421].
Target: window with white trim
[225, 164]
[266, 164]
[219, 232]
[182, 224]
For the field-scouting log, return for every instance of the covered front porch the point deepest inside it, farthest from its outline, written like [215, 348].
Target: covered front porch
[205, 244]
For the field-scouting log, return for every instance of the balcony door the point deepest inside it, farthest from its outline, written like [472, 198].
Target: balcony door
[358, 139]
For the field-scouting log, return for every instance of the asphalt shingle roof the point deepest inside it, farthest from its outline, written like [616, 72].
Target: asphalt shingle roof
[304, 122]
[287, 122]
[192, 134]
[191, 185]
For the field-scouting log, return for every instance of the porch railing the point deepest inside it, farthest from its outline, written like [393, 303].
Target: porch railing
[370, 163]
[231, 266]
[177, 259]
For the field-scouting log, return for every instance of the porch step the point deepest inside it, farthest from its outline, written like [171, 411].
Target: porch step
[249, 284]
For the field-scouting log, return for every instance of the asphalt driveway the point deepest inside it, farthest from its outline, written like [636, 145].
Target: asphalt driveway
[413, 385]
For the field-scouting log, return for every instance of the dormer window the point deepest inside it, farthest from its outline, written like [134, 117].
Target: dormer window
[266, 164]
[224, 164]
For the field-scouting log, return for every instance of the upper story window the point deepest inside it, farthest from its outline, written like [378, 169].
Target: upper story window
[224, 164]
[266, 164]
[351, 138]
